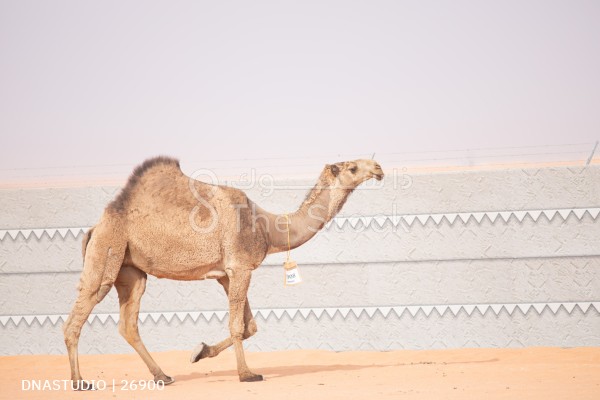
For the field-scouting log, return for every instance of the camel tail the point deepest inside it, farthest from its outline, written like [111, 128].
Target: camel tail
[84, 244]
[86, 239]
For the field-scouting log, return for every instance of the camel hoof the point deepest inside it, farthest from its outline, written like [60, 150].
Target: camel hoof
[166, 380]
[200, 352]
[82, 385]
[251, 378]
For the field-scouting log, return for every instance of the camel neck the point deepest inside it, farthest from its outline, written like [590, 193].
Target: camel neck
[320, 206]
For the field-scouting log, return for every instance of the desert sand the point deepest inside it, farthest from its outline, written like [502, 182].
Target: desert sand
[530, 373]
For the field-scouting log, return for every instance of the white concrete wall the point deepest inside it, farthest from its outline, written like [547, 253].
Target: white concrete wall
[458, 259]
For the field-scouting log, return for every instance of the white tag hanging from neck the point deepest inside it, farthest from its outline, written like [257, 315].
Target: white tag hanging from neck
[290, 268]
[292, 275]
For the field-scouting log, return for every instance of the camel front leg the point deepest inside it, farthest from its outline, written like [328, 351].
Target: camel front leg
[205, 351]
[239, 281]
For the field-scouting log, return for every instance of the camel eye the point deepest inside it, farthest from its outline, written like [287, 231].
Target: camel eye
[354, 169]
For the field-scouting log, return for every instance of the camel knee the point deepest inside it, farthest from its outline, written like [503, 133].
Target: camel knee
[72, 328]
[251, 329]
[70, 338]
[237, 331]
[71, 334]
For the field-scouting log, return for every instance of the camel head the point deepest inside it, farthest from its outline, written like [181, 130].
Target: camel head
[350, 174]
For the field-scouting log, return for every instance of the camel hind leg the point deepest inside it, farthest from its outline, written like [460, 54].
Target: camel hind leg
[72, 329]
[103, 258]
[131, 284]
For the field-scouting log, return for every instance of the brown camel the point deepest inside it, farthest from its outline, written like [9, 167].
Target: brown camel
[169, 225]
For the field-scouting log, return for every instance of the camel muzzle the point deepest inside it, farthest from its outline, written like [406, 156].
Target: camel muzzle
[378, 172]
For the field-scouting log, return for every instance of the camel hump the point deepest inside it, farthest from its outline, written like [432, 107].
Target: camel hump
[121, 201]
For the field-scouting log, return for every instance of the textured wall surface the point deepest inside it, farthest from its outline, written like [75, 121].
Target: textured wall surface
[458, 259]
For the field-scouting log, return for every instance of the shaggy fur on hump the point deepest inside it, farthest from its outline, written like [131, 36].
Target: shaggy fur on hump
[120, 202]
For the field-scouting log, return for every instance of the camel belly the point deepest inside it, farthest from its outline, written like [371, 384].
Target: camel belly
[175, 262]
[195, 274]
[177, 272]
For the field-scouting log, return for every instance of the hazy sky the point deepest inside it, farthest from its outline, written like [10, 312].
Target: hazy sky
[113, 82]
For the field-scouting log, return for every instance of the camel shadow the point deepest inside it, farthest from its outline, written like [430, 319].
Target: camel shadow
[295, 370]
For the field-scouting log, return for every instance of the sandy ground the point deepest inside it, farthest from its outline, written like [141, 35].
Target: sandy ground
[531, 373]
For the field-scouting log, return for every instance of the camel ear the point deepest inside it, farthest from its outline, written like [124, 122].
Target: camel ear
[335, 170]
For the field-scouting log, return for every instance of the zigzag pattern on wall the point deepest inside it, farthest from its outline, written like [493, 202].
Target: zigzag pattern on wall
[292, 313]
[478, 217]
[367, 221]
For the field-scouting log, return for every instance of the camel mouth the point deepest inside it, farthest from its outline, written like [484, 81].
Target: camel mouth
[378, 176]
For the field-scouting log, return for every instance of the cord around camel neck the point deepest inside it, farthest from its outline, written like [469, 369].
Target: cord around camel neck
[287, 224]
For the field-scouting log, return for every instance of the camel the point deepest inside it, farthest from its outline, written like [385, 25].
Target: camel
[169, 225]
